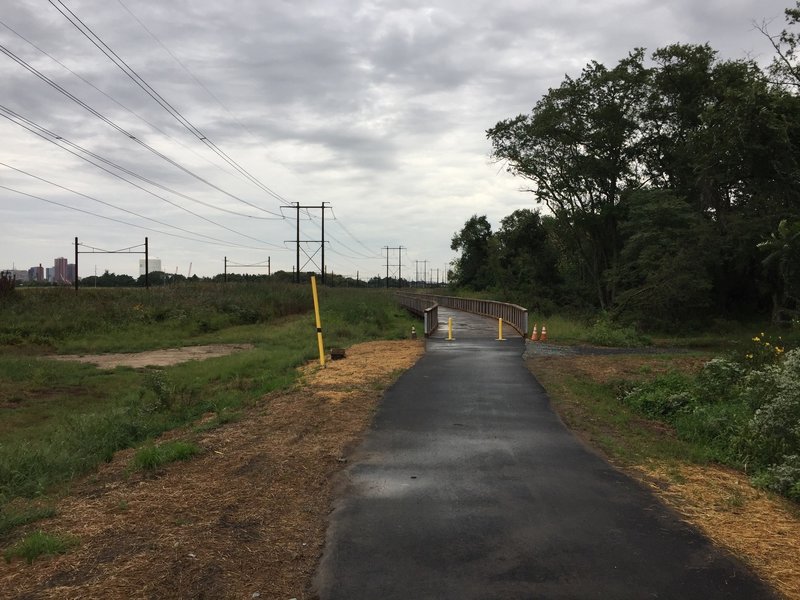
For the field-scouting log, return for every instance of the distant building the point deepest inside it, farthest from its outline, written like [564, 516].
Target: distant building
[154, 264]
[60, 271]
[17, 274]
[71, 273]
[36, 273]
[50, 274]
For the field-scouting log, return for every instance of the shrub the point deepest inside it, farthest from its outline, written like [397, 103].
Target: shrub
[783, 478]
[718, 379]
[774, 430]
[605, 333]
[663, 397]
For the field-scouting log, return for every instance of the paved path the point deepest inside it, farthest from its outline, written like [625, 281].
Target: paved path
[469, 487]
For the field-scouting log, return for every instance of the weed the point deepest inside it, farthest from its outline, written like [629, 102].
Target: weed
[150, 458]
[38, 544]
[12, 518]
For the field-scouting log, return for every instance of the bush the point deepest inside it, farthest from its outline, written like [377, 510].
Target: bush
[662, 398]
[719, 379]
[606, 333]
[783, 478]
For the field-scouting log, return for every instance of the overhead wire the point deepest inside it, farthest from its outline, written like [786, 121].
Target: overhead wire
[218, 241]
[98, 42]
[118, 176]
[111, 98]
[126, 170]
[123, 131]
[88, 212]
[186, 68]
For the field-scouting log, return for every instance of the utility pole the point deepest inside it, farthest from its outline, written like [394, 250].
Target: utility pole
[322, 207]
[399, 263]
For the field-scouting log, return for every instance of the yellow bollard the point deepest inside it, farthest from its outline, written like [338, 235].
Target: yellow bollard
[319, 323]
[500, 337]
[450, 329]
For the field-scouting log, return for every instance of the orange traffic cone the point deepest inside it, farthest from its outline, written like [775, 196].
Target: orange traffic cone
[543, 338]
[534, 333]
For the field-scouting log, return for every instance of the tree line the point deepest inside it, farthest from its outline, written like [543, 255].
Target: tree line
[672, 187]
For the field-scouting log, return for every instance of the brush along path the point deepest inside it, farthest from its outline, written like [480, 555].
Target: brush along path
[248, 516]
[761, 529]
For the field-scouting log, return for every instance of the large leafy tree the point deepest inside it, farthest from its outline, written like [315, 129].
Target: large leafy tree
[471, 268]
[523, 259]
[580, 149]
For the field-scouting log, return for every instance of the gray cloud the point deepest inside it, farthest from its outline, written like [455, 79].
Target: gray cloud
[378, 107]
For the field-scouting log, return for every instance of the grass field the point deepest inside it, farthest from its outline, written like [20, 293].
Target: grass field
[61, 419]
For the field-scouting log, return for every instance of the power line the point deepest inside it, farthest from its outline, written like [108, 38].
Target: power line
[121, 130]
[185, 68]
[118, 176]
[158, 98]
[77, 193]
[47, 134]
[99, 216]
[111, 98]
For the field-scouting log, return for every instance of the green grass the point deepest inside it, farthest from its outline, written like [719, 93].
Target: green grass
[11, 518]
[594, 410]
[151, 457]
[39, 543]
[59, 420]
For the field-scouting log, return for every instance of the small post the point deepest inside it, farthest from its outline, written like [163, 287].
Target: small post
[449, 329]
[319, 323]
[500, 337]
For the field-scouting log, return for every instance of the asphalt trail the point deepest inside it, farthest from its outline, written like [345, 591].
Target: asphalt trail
[469, 487]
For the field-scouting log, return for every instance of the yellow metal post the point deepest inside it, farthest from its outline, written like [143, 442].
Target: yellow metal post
[449, 329]
[319, 323]
[500, 337]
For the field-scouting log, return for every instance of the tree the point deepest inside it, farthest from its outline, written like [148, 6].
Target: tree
[471, 269]
[663, 275]
[523, 258]
[580, 147]
[783, 260]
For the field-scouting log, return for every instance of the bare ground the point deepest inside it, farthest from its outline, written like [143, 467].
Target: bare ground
[246, 519]
[156, 358]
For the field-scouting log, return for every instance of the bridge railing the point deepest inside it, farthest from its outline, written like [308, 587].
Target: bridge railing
[514, 315]
[422, 307]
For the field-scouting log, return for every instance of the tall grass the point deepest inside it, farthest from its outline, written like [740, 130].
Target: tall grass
[59, 420]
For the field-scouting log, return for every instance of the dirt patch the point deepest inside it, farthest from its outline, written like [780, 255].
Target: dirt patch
[761, 529]
[246, 517]
[156, 358]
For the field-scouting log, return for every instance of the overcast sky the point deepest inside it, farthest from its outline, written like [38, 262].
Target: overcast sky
[378, 108]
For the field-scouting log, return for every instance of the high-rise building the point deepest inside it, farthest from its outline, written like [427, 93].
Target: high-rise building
[50, 274]
[60, 271]
[71, 273]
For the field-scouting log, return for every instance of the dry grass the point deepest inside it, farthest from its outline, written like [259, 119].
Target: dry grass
[248, 516]
[757, 527]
